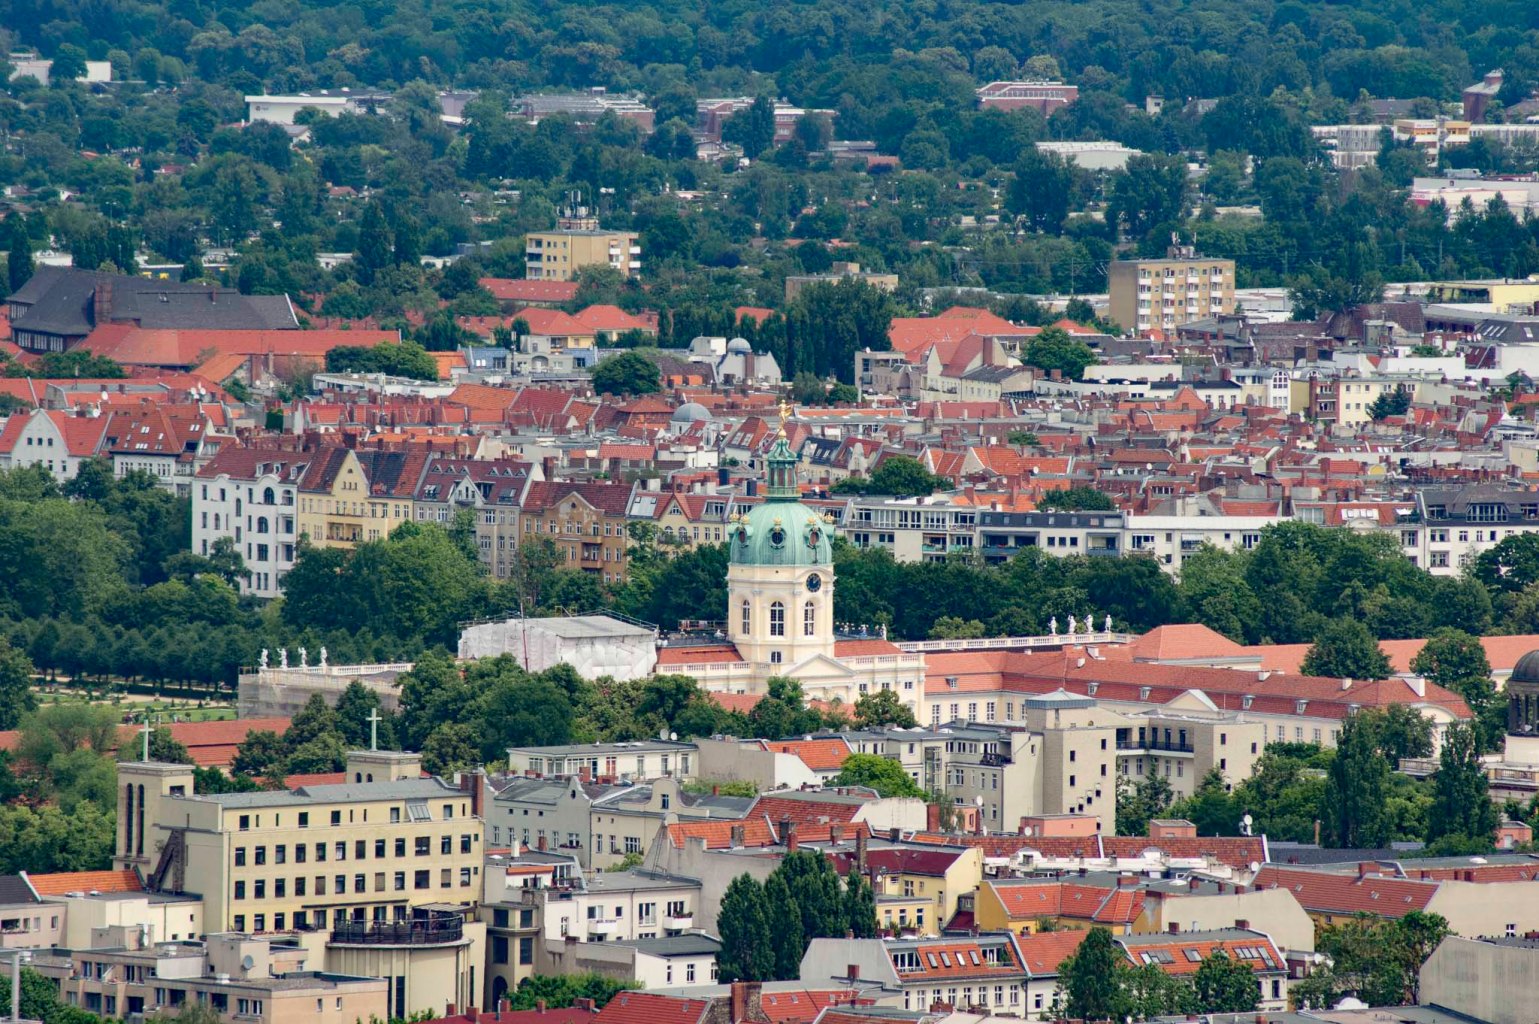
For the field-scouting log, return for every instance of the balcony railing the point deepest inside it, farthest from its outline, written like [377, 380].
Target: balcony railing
[430, 932]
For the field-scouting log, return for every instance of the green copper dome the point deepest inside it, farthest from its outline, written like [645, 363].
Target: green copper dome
[782, 531]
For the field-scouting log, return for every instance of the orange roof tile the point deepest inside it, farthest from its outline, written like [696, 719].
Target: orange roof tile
[57, 884]
[819, 755]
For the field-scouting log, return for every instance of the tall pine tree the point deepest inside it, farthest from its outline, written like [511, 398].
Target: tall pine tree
[747, 950]
[785, 928]
[1461, 804]
[19, 264]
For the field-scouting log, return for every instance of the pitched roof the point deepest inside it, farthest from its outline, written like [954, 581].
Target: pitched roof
[211, 744]
[59, 883]
[819, 755]
[144, 346]
[1181, 642]
[652, 1008]
[1327, 892]
[709, 654]
[1044, 952]
[1182, 953]
[506, 289]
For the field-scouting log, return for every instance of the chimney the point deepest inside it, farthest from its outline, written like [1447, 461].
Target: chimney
[860, 851]
[894, 834]
[541, 845]
[836, 833]
[852, 972]
[1242, 924]
[1193, 884]
[586, 1005]
[101, 301]
[1175, 929]
[1366, 868]
[449, 1010]
[539, 1006]
[735, 836]
[788, 835]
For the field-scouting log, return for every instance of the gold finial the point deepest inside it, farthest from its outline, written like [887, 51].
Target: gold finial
[785, 414]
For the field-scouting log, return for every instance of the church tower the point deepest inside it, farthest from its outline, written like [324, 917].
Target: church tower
[780, 582]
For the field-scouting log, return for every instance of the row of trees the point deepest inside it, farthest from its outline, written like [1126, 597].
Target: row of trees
[765, 927]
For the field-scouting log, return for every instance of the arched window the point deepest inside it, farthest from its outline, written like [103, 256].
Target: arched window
[747, 618]
[267, 496]
[261, 524]
[777, 619]
[809, 619]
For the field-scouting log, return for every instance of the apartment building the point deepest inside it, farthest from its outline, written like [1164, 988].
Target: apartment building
[512, 928]
[597, 825]
[586, 521]
[1345, 404]
[1181, 953]
[50, 439]
[576, 243]
[610, 906]
[347, 496]
[240, 979]
[250, 496]
[630, 761]
[1003, 535]
[913, 529]
[1451, 528]
[1149, 295]
[984, 971]
[490, 490]
[377, 871]
[1183, 744]
[1170, 538]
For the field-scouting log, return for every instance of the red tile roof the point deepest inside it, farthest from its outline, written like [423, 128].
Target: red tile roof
[1045, 952]
[1202, 946]
[819, 755]
[865, 648]
[712, 654]
[1329, 893]
[142, 346]
[652, 1008]
[507, 289]
[125, 880]
[946, 960]
[1234, 851]
[564, 1015]
[800, 1006]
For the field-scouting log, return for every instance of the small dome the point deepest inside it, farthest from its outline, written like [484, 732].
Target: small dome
[782, 533]
[1526, 670]
[690, 412]
[739, 347]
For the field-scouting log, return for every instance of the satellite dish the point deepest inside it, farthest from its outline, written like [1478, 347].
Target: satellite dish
[1248, 820]
[978, 801]
[1255, 866]
[247, 963]
[673, 736]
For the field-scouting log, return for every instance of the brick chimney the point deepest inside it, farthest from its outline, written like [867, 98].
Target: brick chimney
[788, 835]
[101, 301]
[736, 836]
[541, 844]
[539, 1006]
[747, 1002]
[1242, 924]
[860, 850]
[836, 833]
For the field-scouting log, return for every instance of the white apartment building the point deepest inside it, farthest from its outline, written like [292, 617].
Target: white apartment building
[1171, 538]
[249, 495]
[913, 529]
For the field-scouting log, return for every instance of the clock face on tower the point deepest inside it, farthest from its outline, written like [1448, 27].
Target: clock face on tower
[814, 583]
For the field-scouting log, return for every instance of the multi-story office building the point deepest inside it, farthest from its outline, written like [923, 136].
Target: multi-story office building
[578, 242]
[379, 869]
[1148, 295]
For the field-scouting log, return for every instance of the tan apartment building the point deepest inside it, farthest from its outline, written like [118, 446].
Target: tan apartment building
[376, 873]
[1182, 746]
[1148, 295]
[578, 242]
[587, 522]
[347, 497]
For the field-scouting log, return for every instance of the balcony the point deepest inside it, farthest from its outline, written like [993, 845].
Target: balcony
[679, 924]
[603, 926]
[1157, 745]
[441, 929]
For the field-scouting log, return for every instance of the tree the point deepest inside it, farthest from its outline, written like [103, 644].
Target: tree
[1137, 804]
[1225, 986]
[19, 265]
[785, 926]
[1390, 403]
[16, 698]
[1077, 499]
[629, 373]
[261, 751]
[1510, 567]
[1372, 959]
[753, 128]
[1151, 192]
[69, 64]
[747, 946]
[783, 711]
[1023, 439]
[1356, 785]
[1054, 349]
[1461, 803]
[356, 705]
[1399, 731]
[1089, 982]
[898, 474]
[1456, 661]
[375, 247]
[167, 749]
[1041, 190]
[883, 708]
[563, 990]
[1346, 650]
[875, 771]
[406, 359]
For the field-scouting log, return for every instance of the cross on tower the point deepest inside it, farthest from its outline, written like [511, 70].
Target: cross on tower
[146, 733]
[374, 721]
